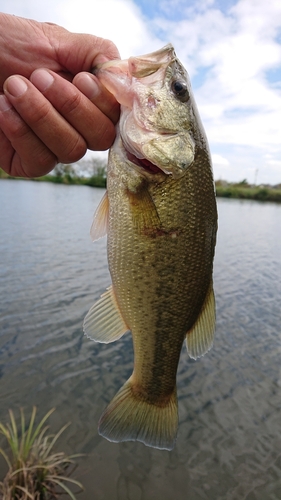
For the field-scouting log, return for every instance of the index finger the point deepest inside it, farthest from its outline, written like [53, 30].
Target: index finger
[86, 117]
[89, 85]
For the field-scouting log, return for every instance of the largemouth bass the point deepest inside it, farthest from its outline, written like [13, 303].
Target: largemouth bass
[160, 216]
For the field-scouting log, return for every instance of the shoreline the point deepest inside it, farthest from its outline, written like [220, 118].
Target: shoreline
[258, 193]
[93, 181]
[226, 190]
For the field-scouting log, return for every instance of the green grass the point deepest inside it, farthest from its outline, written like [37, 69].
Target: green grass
[35, 470]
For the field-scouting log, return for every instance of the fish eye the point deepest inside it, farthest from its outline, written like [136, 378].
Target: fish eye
[179, 89]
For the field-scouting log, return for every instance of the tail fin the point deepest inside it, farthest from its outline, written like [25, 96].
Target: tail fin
[128, 418]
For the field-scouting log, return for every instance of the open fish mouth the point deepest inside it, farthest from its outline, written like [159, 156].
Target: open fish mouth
[145, 164]
[143, 149]
[142, 156]
[155, 138]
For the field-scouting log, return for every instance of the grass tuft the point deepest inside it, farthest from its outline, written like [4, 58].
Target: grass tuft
[35, 470]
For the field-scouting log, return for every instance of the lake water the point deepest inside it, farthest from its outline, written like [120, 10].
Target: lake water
[229, 439]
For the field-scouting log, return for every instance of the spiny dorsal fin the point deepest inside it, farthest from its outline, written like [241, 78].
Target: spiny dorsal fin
[200, 338]
[104, 322]
[100, 222]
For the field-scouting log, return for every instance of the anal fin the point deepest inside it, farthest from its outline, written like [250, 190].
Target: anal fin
[200, 338]
[104, 322]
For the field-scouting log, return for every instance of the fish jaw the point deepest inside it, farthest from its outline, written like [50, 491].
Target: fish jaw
[157, 109]
[117, 75]
[170, 152]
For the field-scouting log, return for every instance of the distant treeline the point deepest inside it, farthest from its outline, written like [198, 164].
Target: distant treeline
[93, 173]
[243, 190]
[86, 172]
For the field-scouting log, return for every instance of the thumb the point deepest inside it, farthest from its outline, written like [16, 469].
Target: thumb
[81, 52]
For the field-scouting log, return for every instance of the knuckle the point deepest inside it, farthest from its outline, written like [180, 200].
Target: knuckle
[42, 115]
[109, 48]
[18, 131]
[38, 114]
[71, 104]
[45, 162]
[76, 151]
[37, 158]
[29, 113]
[105, 138]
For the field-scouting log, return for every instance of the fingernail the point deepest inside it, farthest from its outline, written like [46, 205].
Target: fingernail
[16, 86]
[87, 85]
[42, 79]
[4, 104]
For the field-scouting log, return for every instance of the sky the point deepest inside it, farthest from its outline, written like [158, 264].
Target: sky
[231, 50]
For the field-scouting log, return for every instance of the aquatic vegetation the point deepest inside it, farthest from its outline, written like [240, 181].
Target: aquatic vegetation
[35, 470]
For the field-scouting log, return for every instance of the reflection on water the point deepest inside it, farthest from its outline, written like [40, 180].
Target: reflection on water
[229, 439]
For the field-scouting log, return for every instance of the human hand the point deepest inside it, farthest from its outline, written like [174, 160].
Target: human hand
[52, 115]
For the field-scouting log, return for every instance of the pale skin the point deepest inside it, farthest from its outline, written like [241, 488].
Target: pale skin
[52, 109]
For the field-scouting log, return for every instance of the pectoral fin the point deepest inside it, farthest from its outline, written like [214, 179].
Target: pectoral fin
[199, 339]
[144, 213]
[100, 222]
[104, 322]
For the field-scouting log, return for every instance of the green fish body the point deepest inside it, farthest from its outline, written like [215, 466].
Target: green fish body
[160, 216]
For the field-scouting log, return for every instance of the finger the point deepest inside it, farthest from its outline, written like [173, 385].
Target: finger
[45, 121]
[22, 153]
[85, 116]
[90, 86]
[81, 52]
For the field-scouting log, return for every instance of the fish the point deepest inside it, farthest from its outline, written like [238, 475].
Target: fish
[159, 213]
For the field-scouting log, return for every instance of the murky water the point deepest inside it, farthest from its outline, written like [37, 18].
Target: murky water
[229, 439]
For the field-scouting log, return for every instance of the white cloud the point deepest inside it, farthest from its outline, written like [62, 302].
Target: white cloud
[220, 160]
[238, 104]
[119, 20]
[32, 9]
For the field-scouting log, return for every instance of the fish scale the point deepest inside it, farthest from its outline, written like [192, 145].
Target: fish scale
[161, 224]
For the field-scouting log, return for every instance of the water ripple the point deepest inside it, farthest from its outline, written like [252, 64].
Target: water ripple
[229, 438]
